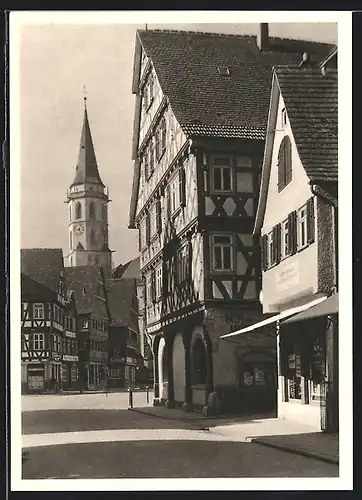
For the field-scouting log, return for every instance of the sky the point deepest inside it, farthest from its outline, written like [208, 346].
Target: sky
[56, 61]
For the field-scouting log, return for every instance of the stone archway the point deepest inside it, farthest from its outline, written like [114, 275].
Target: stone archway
[162, 369]
[198, 362]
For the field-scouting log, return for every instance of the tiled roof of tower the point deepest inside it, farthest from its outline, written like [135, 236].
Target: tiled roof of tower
[311, 101]
[43, 265]
[87, 282]
[210, 104]
[129, 270]
[119, 295]
[33, 290]
[87, 168]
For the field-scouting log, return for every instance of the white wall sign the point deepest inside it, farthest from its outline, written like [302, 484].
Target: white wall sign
[287, 276]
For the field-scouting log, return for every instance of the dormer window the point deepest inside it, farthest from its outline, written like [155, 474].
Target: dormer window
[284, 163]
[223, 70]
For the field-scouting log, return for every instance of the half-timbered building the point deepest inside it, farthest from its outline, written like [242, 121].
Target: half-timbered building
[124, 359]
[88, 285]
[48, 323]
[297, 218]
[200, 119]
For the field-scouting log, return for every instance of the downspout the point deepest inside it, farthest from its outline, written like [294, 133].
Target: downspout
[320, 193]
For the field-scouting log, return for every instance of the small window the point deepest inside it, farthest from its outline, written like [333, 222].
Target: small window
[182, 264]
[284, 117]
[38, 341]
[91, 210]
[284, 163]
[222, 252]
[222, 175]
[38, 311]
[78, 210]
[223, 70]
[302, 227]
[158, 281]
[174, 194]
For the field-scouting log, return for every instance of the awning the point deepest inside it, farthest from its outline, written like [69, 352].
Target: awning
[274, 319]
[326, 308]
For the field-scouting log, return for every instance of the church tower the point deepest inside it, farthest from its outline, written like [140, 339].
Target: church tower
[88, 209]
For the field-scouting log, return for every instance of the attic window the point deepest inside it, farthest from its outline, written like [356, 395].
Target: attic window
[223, 70]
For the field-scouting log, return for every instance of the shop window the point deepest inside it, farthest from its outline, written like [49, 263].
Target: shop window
[317, 368]
[294, 374]
[222, 257]
[257, 374]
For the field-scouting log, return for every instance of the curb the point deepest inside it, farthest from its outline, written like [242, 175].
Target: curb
[191, 422]
[296, 451]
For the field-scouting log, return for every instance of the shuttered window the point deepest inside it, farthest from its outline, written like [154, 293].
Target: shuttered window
[284, 163]
[276, 244]
[148, 229]
[264, 252]
[310, 221]
[158, 217]
[182, 186]
[292, 232]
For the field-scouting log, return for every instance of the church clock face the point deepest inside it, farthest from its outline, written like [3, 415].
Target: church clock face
[78, 229]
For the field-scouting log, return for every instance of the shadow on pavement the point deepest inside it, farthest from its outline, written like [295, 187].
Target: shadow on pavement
[324, 446]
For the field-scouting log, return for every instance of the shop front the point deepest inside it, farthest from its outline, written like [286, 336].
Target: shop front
[70, 373]
[36, 377]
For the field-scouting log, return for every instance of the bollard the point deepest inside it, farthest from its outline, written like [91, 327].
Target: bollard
[147, 395]
[130, 398]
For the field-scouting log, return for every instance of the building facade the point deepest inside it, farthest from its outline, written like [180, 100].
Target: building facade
[297, 218]
[198, 150]
[124, 351]
[88, 285]
[49, 327]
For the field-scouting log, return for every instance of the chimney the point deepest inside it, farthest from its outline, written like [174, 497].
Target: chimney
[262, 38]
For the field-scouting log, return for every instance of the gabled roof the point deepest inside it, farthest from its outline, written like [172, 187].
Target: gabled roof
[87, 168]
[87, 282]
[129, 270]
[207, 103]
[31, 290]
[311, 102]
[43, 265]
[120, 294]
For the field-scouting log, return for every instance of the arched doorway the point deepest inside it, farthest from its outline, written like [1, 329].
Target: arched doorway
[162, 369]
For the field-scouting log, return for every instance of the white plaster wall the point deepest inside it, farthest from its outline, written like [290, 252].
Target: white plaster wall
[178, 363]
[301, 267]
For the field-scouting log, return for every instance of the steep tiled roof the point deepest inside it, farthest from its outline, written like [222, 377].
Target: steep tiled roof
[311, 101]
[43, 265]
[119, 294]
[208, 103]
[88, 286]
[129, 270]
[87, 169]
[34, 291]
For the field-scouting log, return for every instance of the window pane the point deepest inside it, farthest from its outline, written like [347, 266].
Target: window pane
[217, 178]
[217, 253]
[227, 179]
[226, 240]
[227, 257]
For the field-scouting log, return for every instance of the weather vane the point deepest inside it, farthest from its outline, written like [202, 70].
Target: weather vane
[84, 93]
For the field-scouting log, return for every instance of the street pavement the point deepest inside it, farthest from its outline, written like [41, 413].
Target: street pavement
[96, 436]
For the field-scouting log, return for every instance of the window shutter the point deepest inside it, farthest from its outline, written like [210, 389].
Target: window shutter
[264, 252]
[189, 261]
[281, 171]
[148, 228]
[168, 200]
[153, 285]
[292, 232]
[277, 243]
[182, 186]
[288, 160]
[158, 216]
[310, 220]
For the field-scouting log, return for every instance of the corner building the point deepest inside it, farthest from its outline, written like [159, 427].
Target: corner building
[200, 120]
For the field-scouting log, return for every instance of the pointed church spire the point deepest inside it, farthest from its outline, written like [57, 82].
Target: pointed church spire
[87, 169]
